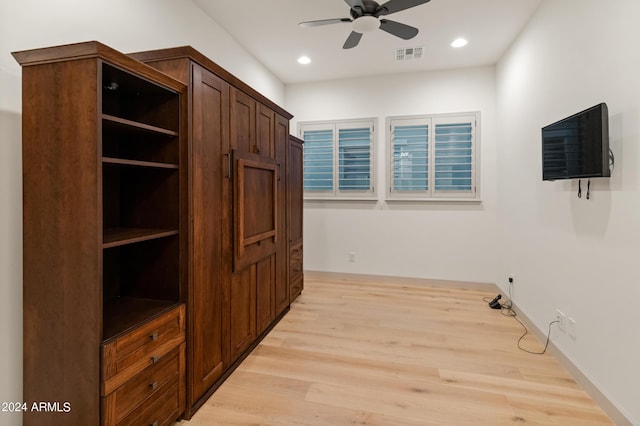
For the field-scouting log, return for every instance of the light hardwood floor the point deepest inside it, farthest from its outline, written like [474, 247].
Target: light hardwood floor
[386, 353]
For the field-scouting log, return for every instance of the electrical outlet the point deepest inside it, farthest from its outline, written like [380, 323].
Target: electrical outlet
[562, 320]
[352, 256]
[571, 327]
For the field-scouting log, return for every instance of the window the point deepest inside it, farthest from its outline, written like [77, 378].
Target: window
[433, 157]
[338, 159]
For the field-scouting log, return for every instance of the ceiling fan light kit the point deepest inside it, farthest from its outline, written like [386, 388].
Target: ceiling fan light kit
[365, 17]
[366, 24]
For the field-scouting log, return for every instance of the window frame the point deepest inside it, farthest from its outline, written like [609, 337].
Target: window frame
[336, 125]
[431, 194]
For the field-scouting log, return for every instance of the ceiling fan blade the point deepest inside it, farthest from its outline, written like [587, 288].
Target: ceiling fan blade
[393, 6]
[323, 22]
[352, 40]
[355, 3]
[397, 29]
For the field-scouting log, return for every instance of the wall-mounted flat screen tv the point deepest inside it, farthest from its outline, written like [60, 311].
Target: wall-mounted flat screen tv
[577, 146]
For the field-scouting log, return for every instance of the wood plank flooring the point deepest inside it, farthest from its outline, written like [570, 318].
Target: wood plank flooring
[397, 353]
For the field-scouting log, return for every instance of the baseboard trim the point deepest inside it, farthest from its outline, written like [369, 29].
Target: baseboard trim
[616, 414]
[388, 279]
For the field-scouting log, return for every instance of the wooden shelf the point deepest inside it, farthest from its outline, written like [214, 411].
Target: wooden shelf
[126, 313]
[135, 125]
[138, 163]
[115, 237]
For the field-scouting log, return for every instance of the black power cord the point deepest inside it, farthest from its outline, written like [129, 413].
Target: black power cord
[506, 309]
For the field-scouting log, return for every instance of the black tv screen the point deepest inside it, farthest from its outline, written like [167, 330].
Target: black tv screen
[577, 146]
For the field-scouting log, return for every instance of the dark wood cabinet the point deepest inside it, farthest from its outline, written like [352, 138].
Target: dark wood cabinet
[295, 181]
[103, 176]
[281, 285]
[239, 262]
[158, 236]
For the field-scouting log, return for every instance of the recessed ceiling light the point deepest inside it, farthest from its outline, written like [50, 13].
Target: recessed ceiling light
[304, 60]
[459, 42]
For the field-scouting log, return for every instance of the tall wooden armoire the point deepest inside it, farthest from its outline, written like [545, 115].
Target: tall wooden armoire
[239, 163]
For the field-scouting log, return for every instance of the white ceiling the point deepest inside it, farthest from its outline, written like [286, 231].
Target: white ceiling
[269, 30]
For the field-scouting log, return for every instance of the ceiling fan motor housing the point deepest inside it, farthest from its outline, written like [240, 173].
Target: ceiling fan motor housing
[371, 8]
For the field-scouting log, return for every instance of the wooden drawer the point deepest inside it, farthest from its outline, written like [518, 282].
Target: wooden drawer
[144, 387]
[124, 357]
[164, 410]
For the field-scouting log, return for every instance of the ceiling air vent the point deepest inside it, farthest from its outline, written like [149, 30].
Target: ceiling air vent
[406, 54]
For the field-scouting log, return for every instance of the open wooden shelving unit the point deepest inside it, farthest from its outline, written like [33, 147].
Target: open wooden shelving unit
[103, 228]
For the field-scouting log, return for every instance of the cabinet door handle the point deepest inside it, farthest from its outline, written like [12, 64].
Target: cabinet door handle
[153, 386]
[154, 359]
[154, 336]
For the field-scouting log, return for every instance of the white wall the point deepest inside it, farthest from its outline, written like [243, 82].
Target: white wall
[428, 240]
[578, 255]
[126, 26]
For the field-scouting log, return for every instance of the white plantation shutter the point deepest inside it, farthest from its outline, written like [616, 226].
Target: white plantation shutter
[410, 157]
[318, 160]
[338, 159]
[433, 157]
[354, 163]
[453, 152]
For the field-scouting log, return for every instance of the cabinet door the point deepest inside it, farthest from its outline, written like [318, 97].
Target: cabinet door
[281, 293]
[265, 127]
[243, 122]
[295, 190]
[209, 297]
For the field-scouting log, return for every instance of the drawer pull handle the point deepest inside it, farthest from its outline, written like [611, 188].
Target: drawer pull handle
[153, 386]
[154, 359]
[154, 336]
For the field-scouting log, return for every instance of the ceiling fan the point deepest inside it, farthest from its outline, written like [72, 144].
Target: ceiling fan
[365, 17]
